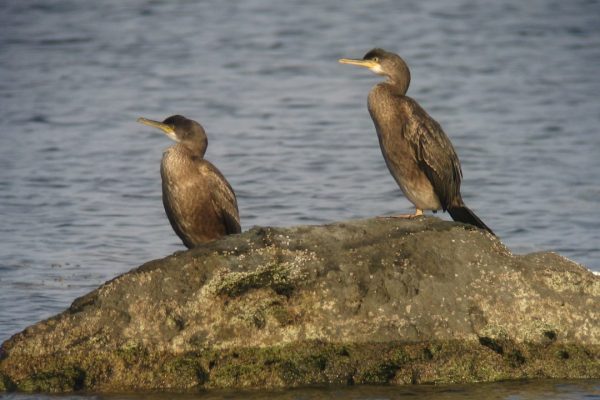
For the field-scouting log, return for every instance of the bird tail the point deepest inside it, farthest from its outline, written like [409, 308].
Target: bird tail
[464, 214]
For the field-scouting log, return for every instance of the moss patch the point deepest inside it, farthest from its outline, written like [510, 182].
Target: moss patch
[6, 384]
[312, 362]
[279, 277]
[63, 380]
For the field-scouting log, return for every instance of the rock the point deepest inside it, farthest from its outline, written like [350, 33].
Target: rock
[368, 301]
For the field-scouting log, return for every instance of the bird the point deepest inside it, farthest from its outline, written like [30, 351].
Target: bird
[416, 150]
[199, 202]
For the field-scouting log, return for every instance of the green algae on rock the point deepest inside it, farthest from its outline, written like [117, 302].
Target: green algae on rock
[368, 301]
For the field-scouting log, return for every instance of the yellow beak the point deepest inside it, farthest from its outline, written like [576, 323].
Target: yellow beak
[361, 63]
[167, 129]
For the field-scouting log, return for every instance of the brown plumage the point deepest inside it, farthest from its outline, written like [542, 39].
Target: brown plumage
[416, 150]
[198, 200]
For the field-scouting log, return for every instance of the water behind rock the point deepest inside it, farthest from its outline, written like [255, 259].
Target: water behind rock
[514, 84]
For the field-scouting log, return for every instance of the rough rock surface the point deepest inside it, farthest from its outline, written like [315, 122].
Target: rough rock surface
[367, 301]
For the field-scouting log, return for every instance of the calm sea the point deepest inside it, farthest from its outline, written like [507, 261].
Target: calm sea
[514, 83]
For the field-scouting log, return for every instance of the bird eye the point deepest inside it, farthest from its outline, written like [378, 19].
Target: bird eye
[376, 59]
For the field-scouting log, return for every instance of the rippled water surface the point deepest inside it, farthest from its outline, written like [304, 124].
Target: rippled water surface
[541, 390]
[514, 84]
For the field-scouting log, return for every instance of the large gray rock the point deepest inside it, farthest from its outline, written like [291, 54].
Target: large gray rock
[368, 301]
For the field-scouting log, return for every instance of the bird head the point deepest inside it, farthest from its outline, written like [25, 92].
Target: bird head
[384, 63]
[185, 131]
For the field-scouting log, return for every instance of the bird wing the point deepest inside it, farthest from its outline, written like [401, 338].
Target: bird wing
[223, 199]
[433, 152]
[174, 220]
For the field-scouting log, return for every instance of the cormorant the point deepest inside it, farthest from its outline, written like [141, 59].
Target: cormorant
[416, 150]
[199, 202]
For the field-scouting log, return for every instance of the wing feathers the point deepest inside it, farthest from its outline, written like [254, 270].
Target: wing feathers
[223, 200]
[434, 153]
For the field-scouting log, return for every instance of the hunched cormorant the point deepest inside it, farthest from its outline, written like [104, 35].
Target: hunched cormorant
[199, 202]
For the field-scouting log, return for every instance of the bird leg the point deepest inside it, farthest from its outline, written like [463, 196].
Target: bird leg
[417, 213]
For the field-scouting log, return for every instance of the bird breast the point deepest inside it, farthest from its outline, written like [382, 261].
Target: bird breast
[183, 183]
[178, 168]
[384, 100]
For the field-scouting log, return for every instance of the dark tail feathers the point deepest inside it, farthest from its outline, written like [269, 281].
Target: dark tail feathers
[464, 214]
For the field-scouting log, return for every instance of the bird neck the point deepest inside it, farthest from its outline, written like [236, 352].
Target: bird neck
[192, 150]
[399, 84]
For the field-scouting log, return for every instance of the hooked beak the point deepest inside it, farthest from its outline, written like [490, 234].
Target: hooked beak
[372, 65]
[167, 129]
[360, 63]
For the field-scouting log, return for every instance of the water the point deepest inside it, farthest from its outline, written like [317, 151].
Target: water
[542, 390]
[514, 84]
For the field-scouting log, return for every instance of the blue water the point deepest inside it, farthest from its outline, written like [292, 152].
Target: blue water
[514, 84]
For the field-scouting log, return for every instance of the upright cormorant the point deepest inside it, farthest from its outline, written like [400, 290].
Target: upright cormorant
[198, 200]
[416, 150]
